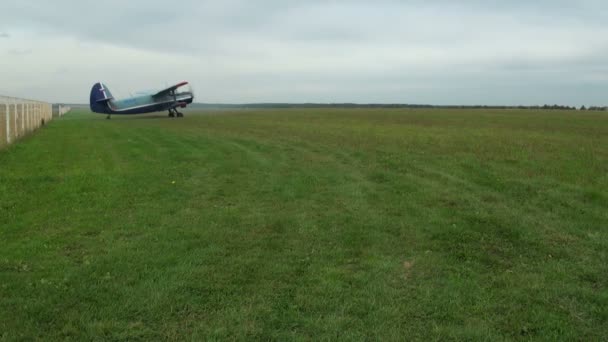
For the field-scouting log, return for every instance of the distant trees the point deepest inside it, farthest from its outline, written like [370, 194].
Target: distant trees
[558, 107]
[596, 108]
[381, 105]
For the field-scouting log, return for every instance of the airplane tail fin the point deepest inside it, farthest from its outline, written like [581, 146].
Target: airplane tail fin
[100, 95]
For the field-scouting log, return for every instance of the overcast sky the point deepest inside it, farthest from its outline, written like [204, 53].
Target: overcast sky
[237, 51]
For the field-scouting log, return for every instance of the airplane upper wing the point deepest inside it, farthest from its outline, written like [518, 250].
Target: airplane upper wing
[169, 90]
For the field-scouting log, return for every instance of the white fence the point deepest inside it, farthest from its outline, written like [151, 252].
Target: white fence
[61, 110]
[19, 117]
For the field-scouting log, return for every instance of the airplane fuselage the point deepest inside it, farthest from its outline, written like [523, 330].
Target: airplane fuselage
[148, 104]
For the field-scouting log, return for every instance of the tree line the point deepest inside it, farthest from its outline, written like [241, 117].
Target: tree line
[594, 108]
[381, 105]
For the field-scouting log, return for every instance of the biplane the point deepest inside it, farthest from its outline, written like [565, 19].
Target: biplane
[169, 99]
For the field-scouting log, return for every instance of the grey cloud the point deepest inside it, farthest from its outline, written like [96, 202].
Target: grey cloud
[20, 52]
[4, 35]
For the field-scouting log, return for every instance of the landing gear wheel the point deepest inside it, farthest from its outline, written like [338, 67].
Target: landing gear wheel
[180, 115]
[171, 115]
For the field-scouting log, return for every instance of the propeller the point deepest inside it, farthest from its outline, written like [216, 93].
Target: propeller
[191, 91]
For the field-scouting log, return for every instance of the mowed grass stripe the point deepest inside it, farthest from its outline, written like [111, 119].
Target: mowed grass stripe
[308, 224]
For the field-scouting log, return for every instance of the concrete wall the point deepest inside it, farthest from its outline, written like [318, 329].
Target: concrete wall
[19, 117]
[2, 125]
[60, 110]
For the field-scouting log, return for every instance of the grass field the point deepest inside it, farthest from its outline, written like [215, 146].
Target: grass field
[308, 225]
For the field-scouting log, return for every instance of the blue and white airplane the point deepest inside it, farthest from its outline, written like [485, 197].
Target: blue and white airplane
[177, 96]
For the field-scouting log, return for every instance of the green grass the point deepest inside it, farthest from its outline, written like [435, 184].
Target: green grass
[308, 225]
